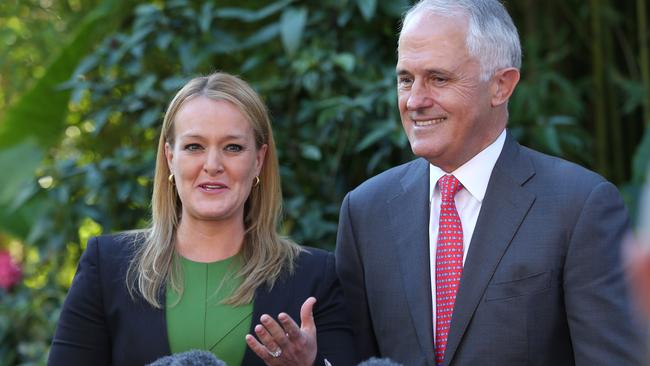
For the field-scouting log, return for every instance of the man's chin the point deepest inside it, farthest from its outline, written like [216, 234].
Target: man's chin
[427, 152]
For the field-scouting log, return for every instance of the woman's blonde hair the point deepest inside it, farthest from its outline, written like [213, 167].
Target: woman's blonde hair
[265, 254]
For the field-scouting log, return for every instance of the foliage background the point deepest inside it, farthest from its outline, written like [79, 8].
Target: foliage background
[84, 83]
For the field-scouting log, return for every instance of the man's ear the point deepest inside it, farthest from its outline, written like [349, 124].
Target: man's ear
[169, 154]
[504, 82]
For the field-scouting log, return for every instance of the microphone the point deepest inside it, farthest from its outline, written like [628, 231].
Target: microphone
[193, 357]
[374, 361]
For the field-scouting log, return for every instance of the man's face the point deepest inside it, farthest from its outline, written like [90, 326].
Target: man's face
[445, 109]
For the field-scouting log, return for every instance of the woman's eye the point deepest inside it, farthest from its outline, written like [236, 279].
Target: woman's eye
[234, 148]
[193, 147]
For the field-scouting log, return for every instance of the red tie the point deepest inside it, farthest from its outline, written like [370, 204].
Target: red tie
[449, 261]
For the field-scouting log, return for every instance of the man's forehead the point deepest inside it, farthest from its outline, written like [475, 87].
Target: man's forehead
[426, 17]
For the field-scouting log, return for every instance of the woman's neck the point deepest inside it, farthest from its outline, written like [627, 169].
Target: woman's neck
[209, 241]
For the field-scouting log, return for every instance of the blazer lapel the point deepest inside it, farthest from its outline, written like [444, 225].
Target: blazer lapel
[268, 301]
[504, 207]
[409, 220]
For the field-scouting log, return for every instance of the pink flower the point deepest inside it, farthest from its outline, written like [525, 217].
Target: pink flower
[10, 272]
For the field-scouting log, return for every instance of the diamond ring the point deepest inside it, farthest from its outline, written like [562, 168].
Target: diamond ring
[276, 353]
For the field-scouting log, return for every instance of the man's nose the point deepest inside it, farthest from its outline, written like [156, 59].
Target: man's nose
[213, 164]
[419, 97]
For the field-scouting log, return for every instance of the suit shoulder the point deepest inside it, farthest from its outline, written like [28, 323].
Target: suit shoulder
[561, 170]
[117, 247]
[390, 180]
[313, 265]
[313, 257]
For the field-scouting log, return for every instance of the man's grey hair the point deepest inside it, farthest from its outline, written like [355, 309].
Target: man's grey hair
[492, 37]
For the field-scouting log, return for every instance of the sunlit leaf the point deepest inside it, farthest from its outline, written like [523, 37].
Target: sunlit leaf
[346, 61]
[19, 163]
[252, 15]
[311, 152]
[292, 25]
[367, 8]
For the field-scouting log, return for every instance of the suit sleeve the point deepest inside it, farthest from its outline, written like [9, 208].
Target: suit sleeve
[81, 336]
[350, 270]
[334, 336]
[603, 331]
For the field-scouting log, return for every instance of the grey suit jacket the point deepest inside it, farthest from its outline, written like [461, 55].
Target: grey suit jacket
[542, 283]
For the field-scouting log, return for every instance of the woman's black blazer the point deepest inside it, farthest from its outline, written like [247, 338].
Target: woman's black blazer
[101, 324]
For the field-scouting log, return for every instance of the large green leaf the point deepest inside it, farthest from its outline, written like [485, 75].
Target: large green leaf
[36, 121]
[292, 26]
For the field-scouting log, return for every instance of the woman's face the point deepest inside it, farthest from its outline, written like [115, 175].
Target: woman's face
[214, 159]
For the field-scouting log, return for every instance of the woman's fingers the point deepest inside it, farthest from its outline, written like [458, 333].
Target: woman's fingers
[307, 316]
[284, 342]
[290, 327]
[260, 350]
[274, 330]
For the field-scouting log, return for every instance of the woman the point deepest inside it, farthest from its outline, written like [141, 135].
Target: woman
[212, 263]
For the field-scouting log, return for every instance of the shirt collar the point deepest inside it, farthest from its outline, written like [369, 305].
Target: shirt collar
[474, 175]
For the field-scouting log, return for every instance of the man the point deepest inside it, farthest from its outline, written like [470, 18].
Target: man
[480, 252]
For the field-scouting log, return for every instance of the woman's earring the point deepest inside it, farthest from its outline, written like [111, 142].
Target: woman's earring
[171, 178]
[256, 182]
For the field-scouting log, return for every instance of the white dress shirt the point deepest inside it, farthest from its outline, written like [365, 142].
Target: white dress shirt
[474, 175]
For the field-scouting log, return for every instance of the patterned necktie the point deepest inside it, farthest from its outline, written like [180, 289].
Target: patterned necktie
[449, 261]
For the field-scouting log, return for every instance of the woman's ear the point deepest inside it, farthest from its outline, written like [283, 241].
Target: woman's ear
[259, 159]
[504, 83]
[169, 154]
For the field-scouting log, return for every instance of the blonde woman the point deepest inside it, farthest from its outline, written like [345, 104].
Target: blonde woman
[211, 272]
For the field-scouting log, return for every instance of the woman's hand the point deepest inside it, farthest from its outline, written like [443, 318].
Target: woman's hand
[285, 343]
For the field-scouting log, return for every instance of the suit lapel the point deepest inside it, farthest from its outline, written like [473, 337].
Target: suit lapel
[504, 207]
[409, 220]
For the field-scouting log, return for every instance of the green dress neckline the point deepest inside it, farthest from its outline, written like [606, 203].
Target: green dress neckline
[198, 319]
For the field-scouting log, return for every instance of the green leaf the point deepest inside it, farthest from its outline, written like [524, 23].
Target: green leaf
[40, 112]
[382, 130]
[18, 163]
[310, 152]
[205, 17]
[36, 121]
[262, 36]
[250, 16]
[367, 8]
[292, 26]
[346, 61]
[144, 85]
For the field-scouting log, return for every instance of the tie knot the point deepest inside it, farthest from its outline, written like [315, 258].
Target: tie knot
[449, 186]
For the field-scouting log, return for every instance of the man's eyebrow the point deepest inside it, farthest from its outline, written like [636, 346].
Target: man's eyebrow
[437, 72]
[429, 72]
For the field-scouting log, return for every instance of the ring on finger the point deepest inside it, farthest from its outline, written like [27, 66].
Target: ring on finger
[276, 353]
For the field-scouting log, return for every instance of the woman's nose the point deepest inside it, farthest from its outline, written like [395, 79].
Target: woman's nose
[213, 163]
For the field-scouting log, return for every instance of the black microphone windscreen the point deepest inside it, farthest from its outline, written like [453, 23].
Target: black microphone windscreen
[379, 362]
[190, 358]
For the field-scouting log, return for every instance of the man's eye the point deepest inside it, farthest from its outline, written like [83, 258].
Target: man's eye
[193, 147]
[440, 80]
[234, 148]
[404, 81]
